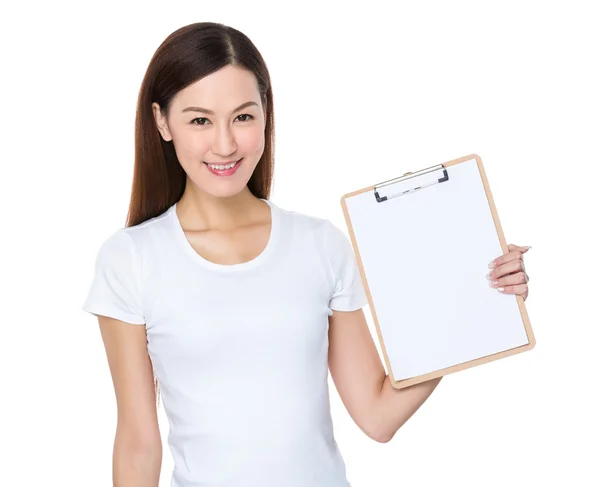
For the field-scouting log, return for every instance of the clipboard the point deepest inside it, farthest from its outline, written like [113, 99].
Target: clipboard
[422, 243]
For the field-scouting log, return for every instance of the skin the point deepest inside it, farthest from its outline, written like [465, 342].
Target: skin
[226, 224]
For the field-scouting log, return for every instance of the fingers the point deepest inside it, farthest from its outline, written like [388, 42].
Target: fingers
[510, 280]
[508, 273]
[508, 268]
[514, 253]
[520, 289]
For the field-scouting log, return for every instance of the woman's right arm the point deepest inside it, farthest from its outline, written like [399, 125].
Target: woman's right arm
[137, 454]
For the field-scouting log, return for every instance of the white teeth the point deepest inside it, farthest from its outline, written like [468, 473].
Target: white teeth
[222, 168]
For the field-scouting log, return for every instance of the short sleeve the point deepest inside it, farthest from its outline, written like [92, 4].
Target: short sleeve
[115, 290]
[348, 293]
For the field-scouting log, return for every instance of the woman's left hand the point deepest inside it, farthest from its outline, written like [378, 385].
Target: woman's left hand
[508, 272]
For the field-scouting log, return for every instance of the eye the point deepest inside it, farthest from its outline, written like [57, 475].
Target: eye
[203, 119]
[246, 115]
[199, 118]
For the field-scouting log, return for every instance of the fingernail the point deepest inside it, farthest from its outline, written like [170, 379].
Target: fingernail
[500, 289]
[488, 276]
[492, 264]
[527, 247]
[493, 283]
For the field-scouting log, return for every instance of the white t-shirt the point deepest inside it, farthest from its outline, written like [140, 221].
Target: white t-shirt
[239, 351]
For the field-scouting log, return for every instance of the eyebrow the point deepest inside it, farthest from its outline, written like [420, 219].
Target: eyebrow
[205, 110]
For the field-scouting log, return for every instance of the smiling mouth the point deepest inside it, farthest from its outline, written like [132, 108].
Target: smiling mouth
[222, 167]
[224, 170]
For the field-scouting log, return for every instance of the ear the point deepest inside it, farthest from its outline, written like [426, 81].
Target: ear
[161, 122]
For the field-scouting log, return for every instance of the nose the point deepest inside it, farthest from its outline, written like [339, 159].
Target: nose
[224, 142]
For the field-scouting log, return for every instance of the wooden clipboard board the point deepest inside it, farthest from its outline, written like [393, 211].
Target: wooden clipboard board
[461, 186]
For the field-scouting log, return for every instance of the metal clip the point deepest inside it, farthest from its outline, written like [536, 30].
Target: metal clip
[407, 176]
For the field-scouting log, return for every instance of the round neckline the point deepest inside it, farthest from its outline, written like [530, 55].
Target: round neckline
[266, 252]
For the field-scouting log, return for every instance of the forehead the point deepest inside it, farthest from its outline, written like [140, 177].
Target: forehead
[226, 88]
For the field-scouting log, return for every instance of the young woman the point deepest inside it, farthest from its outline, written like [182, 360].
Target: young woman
[241, 306]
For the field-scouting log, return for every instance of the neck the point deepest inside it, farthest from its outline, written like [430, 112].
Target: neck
[199, 210]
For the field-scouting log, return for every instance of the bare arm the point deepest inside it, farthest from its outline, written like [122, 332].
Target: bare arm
[360, 378]
[137, 454]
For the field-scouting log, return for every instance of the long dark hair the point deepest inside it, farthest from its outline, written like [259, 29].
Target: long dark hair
[185, 56]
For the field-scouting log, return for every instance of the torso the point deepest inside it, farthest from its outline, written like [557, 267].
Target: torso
[237, 334]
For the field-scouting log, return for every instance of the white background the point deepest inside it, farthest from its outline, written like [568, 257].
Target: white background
[362, 94]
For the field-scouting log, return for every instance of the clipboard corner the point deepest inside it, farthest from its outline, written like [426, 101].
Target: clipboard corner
[354, 193]
[343, 200]
[475, 156]
[532, 343]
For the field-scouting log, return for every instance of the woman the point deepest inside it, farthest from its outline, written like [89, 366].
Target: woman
[244, 305]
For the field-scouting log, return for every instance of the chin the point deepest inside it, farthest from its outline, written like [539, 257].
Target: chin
[223, 190]
[226, 193]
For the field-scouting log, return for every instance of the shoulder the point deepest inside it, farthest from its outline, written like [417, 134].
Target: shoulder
[117, 251]
[125, 244]
[319, 233]
[308, 223]
[136, 235]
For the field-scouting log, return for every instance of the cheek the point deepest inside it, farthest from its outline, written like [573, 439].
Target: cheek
[251, 141]
[190, 147]
[189, 151]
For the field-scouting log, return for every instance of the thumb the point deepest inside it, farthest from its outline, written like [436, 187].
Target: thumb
[522, 249]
